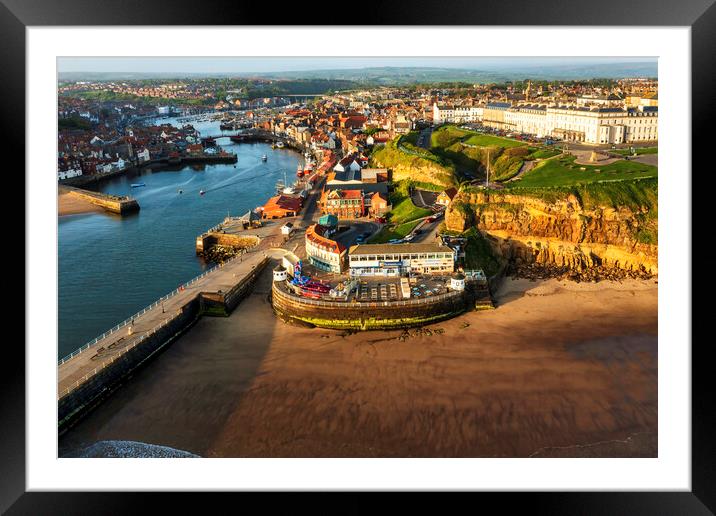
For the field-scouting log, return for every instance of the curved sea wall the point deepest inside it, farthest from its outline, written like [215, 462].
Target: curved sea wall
[375, 315]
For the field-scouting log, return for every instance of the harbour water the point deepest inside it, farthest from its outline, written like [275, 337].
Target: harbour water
[110, 267]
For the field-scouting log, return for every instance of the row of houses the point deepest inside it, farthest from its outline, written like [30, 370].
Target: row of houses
[83, 152]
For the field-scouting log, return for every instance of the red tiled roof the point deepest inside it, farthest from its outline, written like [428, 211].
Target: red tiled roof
[283, 202]
[351, 194]
[314, 233]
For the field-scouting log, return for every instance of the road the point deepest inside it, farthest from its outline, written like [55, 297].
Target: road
[428, 232]
[424, 138]
[424, 198]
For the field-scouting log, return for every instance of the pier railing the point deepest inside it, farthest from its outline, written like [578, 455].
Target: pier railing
[80, 381]
[144, 310]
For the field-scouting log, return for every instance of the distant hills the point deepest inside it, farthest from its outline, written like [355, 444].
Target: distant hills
[397, 76]
[412, 75]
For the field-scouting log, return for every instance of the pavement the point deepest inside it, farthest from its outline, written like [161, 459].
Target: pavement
[526, 167]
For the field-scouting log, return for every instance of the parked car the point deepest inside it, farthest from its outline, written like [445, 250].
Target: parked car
[394, 241]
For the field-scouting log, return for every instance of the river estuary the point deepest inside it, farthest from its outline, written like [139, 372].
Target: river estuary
[110, 267]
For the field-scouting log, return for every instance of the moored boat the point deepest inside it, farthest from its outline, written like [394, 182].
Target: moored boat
[137, 185]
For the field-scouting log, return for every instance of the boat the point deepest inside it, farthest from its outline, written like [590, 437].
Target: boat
[264, 157]
[137, 185]
[201, 192]
[181, 191]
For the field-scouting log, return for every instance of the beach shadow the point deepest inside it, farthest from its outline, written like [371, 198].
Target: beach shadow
[184, 396]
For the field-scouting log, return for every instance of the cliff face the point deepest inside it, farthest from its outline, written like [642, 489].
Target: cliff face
[407, 166]
[560, 233]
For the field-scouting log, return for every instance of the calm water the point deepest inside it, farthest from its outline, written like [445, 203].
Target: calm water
[110, 267]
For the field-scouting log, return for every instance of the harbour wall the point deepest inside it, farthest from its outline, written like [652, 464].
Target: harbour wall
[208, 240]
[223, 303]
[113, 203]
[110, 374]
[108, 378]
[377, 315]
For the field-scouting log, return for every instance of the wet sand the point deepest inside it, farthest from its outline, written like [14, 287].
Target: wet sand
[558, 369]
[68, 204]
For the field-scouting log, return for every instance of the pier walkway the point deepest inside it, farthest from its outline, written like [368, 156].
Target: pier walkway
[81, 366]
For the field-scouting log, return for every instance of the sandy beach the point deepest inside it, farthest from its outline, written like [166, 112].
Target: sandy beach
[558, 369]
[68, 204]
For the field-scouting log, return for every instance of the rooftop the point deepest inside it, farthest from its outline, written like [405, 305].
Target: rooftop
[363, 249]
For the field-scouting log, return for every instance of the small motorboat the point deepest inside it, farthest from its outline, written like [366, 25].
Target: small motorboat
[181, 191]
[264, 157]
[137, 185]
[201, 192]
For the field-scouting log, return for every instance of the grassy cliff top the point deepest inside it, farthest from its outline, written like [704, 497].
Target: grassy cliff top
[563, 171]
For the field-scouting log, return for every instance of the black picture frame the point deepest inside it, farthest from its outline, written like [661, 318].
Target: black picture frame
[700, 15]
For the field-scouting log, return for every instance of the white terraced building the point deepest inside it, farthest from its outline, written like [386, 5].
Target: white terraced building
[456, 114]
[595, 125]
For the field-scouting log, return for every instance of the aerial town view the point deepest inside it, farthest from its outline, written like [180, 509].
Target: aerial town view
[434, 257]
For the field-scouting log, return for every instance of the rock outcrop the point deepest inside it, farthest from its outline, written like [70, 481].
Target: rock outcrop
[563, 233]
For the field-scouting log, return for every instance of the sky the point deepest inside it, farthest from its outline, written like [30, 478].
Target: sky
[249, 65]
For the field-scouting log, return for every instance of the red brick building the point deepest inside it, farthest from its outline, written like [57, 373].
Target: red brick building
[344, 204]
[378, 205]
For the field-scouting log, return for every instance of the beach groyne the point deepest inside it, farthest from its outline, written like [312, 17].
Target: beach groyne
[113, 203]
[92, 373]
[384, 315]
